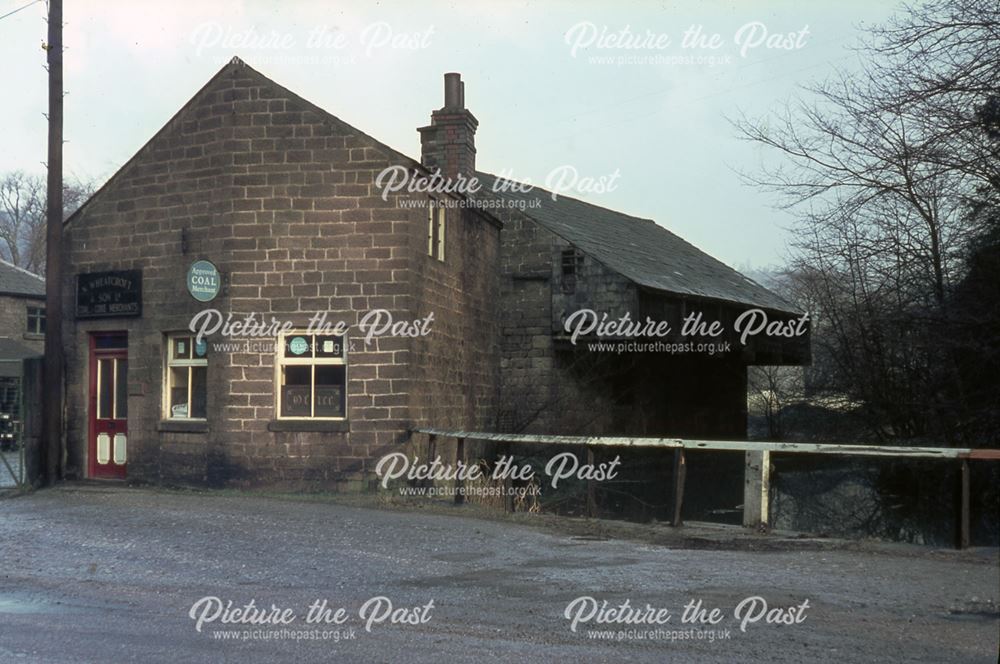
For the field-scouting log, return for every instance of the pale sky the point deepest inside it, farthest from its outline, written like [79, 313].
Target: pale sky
[541, 103]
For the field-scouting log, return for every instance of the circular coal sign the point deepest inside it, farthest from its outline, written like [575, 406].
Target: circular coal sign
[203, 281]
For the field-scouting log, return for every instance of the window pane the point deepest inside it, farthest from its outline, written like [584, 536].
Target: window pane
[105, 387]
[329, 390]
[569, 262]
[121, 390]
[108, 341]
[296, 391]
[199, 391]
[178, 397]
[440, 234]
[181, 348]
[36, 320]
[329, 346]
[431, 230]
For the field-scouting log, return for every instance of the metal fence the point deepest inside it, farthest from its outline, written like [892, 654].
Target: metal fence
[20, 427]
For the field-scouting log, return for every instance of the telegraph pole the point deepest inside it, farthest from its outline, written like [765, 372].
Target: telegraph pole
[52, 408]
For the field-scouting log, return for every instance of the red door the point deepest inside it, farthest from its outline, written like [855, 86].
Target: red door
[108, 412]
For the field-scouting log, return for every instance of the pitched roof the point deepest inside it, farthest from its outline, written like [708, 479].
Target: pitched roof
[640, 249]
[18, 281]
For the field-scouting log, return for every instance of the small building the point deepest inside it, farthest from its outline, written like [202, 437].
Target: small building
[561, 255]
[254, 215]
[266, 206]
[22, 336]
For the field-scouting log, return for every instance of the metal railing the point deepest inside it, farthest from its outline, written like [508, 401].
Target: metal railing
[11, 454]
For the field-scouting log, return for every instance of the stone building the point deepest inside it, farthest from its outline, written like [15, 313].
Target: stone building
[256, 194]
[562, 255]
[256, 204]
[22, 336]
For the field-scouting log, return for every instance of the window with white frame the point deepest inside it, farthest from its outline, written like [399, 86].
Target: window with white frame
[435, 230]
[36, 320]
[185, 392]
[311, 376]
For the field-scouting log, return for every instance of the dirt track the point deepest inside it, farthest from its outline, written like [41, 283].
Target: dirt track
[105, 574]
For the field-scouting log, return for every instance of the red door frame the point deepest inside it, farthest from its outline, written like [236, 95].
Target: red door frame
[110, 470]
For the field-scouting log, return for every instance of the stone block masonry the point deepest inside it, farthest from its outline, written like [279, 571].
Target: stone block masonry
[280, 196]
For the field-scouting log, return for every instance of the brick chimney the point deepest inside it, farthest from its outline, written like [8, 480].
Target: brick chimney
[448, 144]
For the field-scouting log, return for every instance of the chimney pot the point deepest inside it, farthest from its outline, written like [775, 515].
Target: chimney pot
[453, 91]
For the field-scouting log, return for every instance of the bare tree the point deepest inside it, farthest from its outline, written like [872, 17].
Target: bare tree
[885, 168]
[22, 219]
[22, 216]
[771, 390]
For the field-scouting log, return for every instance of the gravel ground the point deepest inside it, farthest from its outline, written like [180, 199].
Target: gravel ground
[102, 574]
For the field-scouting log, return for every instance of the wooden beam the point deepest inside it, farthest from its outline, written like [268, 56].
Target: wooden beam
[52, 403]
[431, 453]
[990, 455]
[508, 483]
[591, 495]
[459, 458]
[680, 474]
[963, 505]
[756, 489]
[729, 445]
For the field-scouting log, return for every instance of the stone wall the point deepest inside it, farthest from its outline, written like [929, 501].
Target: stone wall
[552, 386]
[281, 197]
[14, 321]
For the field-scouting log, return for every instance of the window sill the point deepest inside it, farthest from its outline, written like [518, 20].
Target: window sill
[309, 425]
[183, 426]
[40, 336]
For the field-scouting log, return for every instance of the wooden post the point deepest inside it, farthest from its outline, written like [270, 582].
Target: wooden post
[52, 410]
[591, 496]
[680, 474]
[963, 505]
[756, 489]
[32, 427]
[431, 452]
[459, 458]
[508, 483]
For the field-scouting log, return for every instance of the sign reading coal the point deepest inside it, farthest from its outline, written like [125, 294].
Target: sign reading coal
[109, 294]
[203, 281]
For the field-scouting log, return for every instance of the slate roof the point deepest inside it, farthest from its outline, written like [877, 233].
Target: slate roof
[640, 249]
[12, 350]
[12, 353]
[20, 282]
